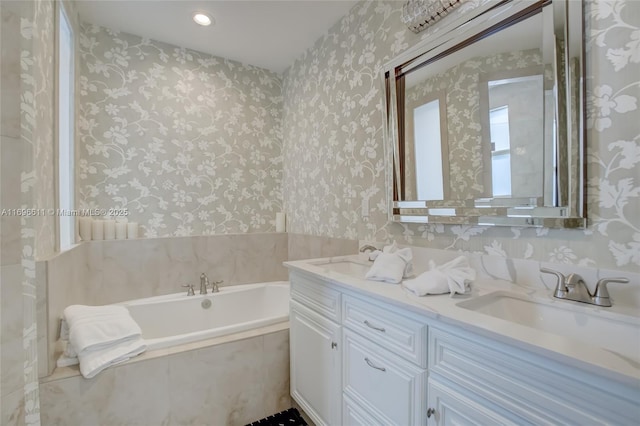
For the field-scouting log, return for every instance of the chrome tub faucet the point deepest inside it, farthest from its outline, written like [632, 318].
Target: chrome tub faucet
[573, 287]
[204, 283]
[190, 291]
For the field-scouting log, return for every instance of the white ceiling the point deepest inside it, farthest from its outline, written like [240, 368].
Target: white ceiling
[265, 33]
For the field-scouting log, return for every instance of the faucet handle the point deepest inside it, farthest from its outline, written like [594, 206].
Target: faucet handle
[190, 291]
[601, 294]
[560, 286]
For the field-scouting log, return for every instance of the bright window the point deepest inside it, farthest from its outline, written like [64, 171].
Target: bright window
[428, 147]
[500, 151]
[65, 132]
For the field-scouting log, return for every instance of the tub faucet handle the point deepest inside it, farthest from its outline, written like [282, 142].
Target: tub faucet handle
[190, 291]
[214, 286]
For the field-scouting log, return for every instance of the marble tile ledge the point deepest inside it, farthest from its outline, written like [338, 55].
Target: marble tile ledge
[65, 372]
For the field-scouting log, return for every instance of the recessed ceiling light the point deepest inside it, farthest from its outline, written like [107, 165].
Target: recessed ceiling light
[202, 19]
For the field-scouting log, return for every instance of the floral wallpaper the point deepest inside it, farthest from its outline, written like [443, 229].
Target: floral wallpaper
[334, 153]
[188, 143]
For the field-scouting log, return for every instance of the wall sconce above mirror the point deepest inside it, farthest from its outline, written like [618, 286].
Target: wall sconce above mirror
[484, 124]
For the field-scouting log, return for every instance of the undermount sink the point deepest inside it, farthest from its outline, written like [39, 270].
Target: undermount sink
[345, 266]
[608, 330]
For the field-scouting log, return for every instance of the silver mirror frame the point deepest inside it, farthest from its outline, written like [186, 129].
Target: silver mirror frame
[517, 212]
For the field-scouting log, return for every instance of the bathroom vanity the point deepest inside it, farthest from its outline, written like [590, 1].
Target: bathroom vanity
[368, 353]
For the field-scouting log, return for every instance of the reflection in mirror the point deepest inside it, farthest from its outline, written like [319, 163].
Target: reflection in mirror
[478, 124]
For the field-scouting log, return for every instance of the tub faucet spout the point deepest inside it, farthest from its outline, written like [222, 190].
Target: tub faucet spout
[204, 283]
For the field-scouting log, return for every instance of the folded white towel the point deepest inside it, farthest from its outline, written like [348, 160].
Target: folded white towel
[390, 266]
[452, 277]
[99, 326]
[101, 336]
[94, 361]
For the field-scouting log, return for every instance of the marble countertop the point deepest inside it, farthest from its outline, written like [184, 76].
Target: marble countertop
[572, 352]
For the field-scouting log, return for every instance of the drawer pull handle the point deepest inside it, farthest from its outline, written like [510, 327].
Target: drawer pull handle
[372, 365]
[430, 412]
[334, 345]
[368, 324]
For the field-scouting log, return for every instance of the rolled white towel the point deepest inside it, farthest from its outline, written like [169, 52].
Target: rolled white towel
[393, 248]
[390, 267]
[452, 277]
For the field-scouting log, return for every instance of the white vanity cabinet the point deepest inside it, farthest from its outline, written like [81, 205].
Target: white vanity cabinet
[384, 359]
[360, 360]
[315, 357]
[353, 360]
[508, 384]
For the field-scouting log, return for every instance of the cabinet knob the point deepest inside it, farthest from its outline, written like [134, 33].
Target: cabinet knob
[334, 345]
[430, 412]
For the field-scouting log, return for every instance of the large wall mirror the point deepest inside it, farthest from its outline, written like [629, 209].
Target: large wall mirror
[485, 122]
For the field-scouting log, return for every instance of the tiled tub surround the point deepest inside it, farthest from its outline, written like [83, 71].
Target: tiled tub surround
[301, 246]
[104, 272]
[230, 380]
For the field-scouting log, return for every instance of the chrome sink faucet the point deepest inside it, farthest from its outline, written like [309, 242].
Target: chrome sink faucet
[573, 287]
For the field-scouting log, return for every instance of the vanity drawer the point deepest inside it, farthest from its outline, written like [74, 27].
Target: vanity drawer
[389, 388]
[533, 388]
[404, 336]
[354, 415]
[317, 295]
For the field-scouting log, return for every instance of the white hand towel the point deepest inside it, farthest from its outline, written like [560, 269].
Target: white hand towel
[452, 277]
[390, 267]
[100, 336]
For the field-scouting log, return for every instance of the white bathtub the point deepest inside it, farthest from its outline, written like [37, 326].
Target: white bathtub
[177, 318]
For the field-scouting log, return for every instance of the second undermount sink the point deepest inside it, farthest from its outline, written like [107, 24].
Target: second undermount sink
[345, 266]
[608, 330]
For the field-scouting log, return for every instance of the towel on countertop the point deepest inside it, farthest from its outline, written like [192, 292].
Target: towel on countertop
[393, 248]
[391, 264]
[452, 277]
[100, 336]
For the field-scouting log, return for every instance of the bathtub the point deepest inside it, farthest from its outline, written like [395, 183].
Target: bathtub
[176, 319]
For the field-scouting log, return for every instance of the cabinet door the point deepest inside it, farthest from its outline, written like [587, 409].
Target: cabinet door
[449, 405]
[315, 365]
